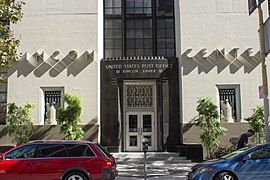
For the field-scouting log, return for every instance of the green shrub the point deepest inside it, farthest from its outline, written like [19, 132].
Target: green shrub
[222, 151]
[69, 117]
[19, 122]
[207, 120]
[256, 122]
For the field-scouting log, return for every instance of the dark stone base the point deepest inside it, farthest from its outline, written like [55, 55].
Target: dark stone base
[193, 152]
[172, 148]
[113, 149]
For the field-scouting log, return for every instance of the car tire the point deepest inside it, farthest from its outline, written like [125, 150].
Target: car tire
[224, 176]
[75, 176]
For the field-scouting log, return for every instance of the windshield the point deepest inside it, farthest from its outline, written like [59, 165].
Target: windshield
[235, 153]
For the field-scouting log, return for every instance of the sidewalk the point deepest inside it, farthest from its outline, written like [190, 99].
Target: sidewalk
[156, 170]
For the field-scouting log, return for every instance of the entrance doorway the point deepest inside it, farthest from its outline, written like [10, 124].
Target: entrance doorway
[140, 115]
[140, 125]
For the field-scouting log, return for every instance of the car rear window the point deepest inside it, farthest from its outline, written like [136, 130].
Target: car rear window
[104, 151]
[79, 150]
[51, 150]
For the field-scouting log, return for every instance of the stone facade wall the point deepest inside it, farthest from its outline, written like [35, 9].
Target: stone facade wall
[204, 27]
[49, 26]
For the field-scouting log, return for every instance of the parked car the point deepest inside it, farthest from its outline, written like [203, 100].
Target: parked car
[54, 160]
[247, 163]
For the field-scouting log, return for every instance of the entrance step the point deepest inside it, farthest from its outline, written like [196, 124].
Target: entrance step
[159, 165]
[155, 158]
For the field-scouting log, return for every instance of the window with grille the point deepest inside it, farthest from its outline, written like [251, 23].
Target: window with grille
[230, 95]
[52, 96]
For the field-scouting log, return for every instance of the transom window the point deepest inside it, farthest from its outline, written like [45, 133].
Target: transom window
[139, 96]
[113, 7]
[143, 7]
[139, 28]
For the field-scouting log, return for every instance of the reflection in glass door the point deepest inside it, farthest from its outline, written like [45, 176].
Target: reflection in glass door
[139, 125]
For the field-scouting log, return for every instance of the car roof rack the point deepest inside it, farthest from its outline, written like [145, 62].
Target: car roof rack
[58, 141]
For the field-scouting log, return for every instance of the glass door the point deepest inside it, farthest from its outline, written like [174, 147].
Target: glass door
[133, 132]
[139, 125]
[147, 129]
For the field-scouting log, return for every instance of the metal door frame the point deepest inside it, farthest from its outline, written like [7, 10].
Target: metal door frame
[140, 111]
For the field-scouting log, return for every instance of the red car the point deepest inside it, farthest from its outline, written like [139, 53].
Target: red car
[57, 160]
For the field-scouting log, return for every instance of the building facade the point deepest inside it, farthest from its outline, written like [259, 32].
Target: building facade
[139, 65]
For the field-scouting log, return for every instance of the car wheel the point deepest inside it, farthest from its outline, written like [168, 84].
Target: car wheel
[75, 176]
[225, 176]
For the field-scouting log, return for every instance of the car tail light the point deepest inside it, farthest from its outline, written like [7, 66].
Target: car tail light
[107, 164]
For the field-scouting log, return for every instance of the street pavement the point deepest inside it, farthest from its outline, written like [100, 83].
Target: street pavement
[157, 168]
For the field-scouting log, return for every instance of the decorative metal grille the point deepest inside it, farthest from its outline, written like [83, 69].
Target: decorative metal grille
[139, 96]
[53, 97]
[229, 94]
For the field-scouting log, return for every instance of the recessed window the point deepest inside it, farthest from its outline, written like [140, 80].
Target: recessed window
[52, 96]
[230, 94]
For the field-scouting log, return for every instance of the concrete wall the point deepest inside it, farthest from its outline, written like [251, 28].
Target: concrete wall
[211, 25]
[50, 133]
[191, 134]
[56, 25]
